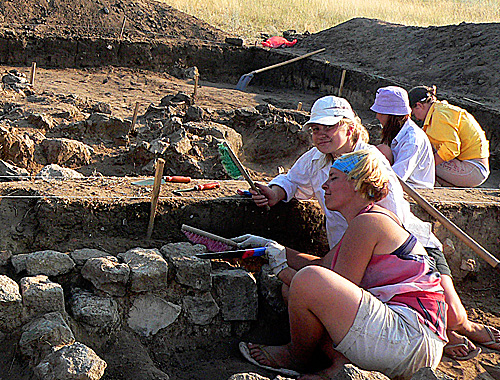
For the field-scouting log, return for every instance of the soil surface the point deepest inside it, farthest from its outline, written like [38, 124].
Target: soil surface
[459, 59]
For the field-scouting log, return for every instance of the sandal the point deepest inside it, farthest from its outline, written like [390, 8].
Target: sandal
[493, 343]
[466, 345]
[245, 351]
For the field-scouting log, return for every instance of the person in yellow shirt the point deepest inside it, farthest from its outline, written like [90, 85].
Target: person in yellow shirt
[461, 149]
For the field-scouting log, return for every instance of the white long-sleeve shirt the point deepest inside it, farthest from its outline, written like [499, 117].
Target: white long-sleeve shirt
[305, 178]
[413, 156]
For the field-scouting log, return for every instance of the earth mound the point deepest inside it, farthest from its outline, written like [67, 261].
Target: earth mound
[104, 18]
[460, 59]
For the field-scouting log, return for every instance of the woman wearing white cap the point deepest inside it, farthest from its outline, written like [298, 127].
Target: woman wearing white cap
[404, 144]
[336, 130]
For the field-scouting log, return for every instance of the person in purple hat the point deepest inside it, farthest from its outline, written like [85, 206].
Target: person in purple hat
[404, 144]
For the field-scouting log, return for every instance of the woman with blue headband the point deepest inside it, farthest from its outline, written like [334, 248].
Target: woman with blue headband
[381, 306]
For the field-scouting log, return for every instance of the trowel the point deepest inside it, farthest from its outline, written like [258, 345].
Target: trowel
[164, 180]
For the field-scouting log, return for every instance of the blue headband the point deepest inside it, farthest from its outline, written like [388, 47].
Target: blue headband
[347, 164]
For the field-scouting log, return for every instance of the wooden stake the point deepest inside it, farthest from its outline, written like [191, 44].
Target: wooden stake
[155, 193]
[452, 227]
[32, 73]
[134, 118]
[341, 86]
[299, 106]
[195, 90]
[123, 27]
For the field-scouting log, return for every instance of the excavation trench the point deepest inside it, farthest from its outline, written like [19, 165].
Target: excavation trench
[111, 217]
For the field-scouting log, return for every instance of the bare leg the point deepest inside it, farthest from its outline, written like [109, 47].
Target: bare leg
[320, 302]
[458, 321]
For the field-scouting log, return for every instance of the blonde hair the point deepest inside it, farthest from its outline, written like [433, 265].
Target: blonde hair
[359, 131]
[364, 167]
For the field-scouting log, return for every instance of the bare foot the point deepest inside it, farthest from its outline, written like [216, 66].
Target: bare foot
[272, 356]
[484, 334]
[459, 347]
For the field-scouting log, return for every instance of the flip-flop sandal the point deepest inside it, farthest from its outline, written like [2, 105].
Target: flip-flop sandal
[245, 351]
[465, 345]
[493, 344]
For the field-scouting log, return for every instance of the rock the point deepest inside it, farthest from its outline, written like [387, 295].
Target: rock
[102, 107]
[191, 72]
[72, 362]
[49, 263]
[189, 270]
[80, 256]
[9, 172]
[251, 376]
[235, 41]
[171, 125]
[194, 113]
[107, 127]
[148, 269]
[180, 142]
[70, 153]
[41, 296]
[236, 294]
[5, 257]
[41, 121]
[11, 306]
[107, 275]
[54, 171]
[149, 314]
[200, 310]
[19, 262]
[270, 288]
[41, 335]
[428, 373]
[16, 148]
[98, 312]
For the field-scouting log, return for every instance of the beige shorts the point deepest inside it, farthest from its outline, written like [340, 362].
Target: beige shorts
[390, 339]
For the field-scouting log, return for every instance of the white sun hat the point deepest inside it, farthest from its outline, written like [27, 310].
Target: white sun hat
[329, 110]
[391, 100]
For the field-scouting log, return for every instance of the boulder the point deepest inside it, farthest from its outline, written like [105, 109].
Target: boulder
[98, 312]
[11, 306]
[41, 121]
[54, 171]
[148, 314]
[107, 274]
[108, 128]
[236, 291]
[49, 263]
[72, 362]
[148, 269]
[9, 172]
[200, 310]
[19, 262]
[70, 153]
[80, 256]
[15, 147]
[41, 335]
[189, 270]
[41, 296]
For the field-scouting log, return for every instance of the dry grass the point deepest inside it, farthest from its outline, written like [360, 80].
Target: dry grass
[247, 18]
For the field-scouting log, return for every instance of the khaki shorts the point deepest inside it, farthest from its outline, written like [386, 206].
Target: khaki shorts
[390, 339]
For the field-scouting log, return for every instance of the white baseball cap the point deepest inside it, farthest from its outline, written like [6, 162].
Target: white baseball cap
[391, 100]
[329, 110]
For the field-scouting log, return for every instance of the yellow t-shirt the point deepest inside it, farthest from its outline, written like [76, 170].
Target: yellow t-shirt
[454, 133]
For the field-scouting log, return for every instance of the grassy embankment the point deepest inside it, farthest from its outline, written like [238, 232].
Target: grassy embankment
[248, 18]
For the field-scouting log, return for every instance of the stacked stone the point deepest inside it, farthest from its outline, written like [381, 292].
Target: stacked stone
[146, 290]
